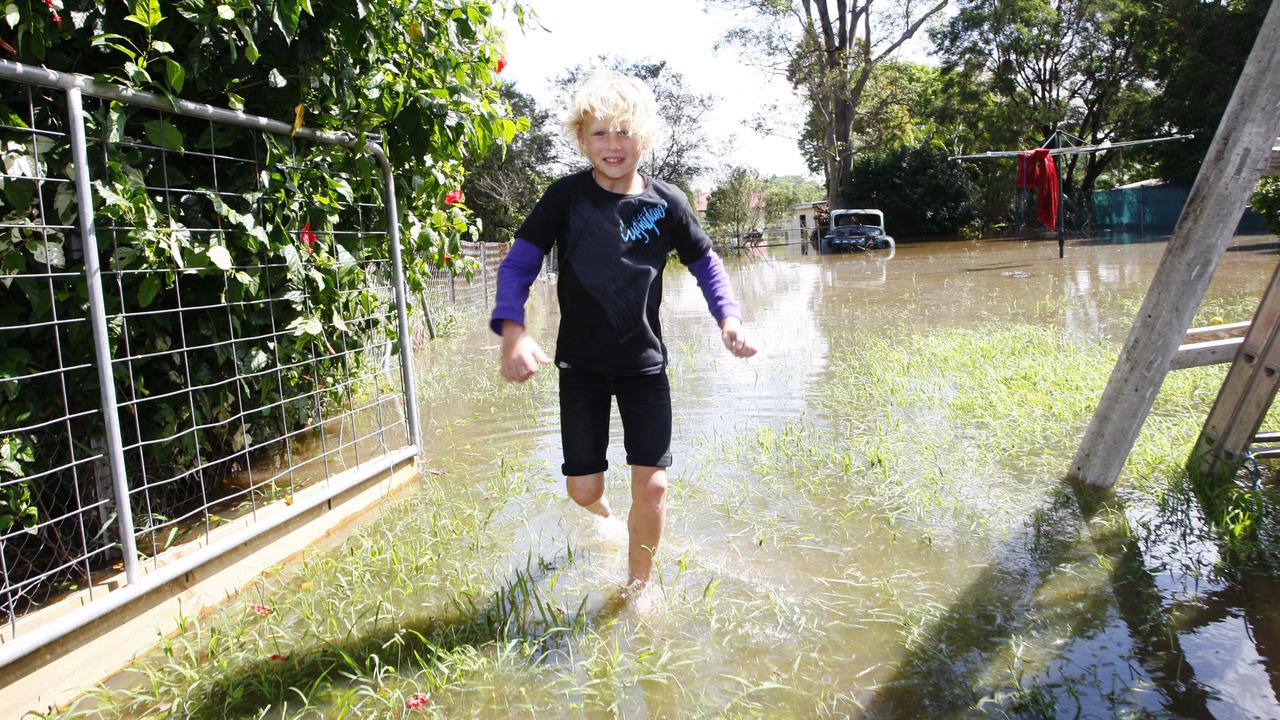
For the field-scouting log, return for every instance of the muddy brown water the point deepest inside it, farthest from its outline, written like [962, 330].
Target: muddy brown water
[768, 606]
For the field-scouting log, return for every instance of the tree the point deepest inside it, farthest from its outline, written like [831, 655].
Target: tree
[921, 192]
[679, 152]
[503, 188]
[1266, 202]
[1191, 52]
[1067, 64]
[737, 204]
[782, 194]
[829, 55]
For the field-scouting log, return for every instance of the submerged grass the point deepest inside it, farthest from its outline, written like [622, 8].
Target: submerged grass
[904, 549]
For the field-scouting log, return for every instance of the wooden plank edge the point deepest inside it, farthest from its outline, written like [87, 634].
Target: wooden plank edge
[1210, 352]
[56, 675]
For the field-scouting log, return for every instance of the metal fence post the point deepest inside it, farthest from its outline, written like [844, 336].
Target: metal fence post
[484, 272]
[402, 301]
[101, 339]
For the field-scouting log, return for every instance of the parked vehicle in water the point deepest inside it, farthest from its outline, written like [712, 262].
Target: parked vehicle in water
[854, 231]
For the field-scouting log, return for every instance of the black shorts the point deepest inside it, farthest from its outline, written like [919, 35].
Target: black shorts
[644, 402]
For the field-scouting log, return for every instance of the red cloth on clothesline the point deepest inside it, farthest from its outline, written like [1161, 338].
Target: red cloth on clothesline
[1037, 171]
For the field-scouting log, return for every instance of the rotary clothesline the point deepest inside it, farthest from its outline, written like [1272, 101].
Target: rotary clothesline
[1072, 150]
[1047, 206]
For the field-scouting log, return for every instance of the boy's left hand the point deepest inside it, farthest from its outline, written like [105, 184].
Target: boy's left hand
[735, 337]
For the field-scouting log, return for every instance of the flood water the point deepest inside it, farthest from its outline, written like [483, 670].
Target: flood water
[783, 593]
[866, 520]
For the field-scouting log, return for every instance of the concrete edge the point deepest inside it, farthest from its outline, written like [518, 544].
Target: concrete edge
[63, 670]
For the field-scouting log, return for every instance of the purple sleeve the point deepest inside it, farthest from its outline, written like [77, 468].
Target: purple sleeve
[516, 273]
[714, 282]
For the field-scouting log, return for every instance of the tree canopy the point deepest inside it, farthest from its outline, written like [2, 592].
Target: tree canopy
[828, 52]
[504, 186]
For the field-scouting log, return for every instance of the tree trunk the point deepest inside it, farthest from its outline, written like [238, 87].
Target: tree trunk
[840, 161]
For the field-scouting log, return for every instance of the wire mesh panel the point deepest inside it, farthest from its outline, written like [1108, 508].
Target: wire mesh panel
[54, 516]
[251, 325]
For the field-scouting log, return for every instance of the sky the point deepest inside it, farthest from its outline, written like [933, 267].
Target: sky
[677, 31]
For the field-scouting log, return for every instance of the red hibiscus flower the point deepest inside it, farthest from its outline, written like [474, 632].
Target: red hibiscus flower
[306, 237]
[418, 701]
[454, 197]
[502, 62]
[57, 19]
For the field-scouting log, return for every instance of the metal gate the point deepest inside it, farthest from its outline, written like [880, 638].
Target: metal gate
[201, 325]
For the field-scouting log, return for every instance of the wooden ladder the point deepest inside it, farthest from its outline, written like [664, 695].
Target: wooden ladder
[1246, 393]
[1244, 148]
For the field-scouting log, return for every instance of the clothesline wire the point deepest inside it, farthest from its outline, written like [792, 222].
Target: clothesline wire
[1071, 150]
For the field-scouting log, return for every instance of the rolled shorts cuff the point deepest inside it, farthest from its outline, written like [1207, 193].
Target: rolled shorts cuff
[662, 462]
[582, 469]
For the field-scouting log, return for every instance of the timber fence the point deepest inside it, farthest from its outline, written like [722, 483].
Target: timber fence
[201, 314]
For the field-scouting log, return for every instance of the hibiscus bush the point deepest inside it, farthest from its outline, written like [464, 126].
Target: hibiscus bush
[287, 242]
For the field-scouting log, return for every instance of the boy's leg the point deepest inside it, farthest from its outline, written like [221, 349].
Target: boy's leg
[645, 523]
[644, 403]
[588, 491]
[585, 401]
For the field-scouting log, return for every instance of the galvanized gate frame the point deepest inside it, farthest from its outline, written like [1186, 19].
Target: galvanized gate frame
[1243, 149]
[138, 582]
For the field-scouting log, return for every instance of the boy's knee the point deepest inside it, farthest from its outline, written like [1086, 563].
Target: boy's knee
[583, 491]
[651, 490]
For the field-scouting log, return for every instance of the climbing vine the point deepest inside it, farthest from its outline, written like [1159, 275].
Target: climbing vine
[276, 242]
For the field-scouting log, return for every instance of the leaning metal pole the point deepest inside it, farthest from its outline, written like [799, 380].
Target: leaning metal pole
[402, 299]
[101, 339]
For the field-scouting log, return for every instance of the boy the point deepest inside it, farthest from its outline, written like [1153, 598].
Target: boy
[614, 228]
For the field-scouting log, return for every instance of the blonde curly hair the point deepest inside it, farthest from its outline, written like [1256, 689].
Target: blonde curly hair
[626, 102]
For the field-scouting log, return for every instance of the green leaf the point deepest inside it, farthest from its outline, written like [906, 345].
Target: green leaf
[226, 13]
[146, 13]
[306, 326]
[19, 193]
[147, 290]
[48, 252]
[106, 39]
[220, 257]
[292, 260]
[249, 280]
[250, 47]
[177, 75]
[64, 201]
[162, 133]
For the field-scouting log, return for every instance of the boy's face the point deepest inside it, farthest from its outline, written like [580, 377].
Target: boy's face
[614, 153]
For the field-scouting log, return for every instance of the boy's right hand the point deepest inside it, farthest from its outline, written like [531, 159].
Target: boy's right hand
[521, 355]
